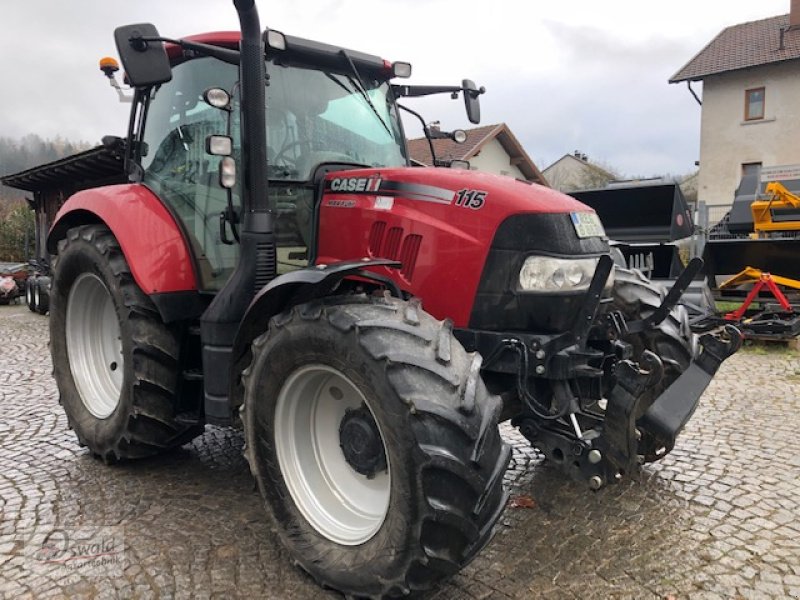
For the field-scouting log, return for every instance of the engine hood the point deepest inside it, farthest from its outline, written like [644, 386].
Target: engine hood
[441, 225]
[495, 193]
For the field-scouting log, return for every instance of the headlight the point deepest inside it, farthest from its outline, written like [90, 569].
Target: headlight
[545, 274]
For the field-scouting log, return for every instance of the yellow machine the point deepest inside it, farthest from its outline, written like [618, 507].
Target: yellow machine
[777, 198]
[753, 275]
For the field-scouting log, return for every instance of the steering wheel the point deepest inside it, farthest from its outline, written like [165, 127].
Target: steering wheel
[281, 155]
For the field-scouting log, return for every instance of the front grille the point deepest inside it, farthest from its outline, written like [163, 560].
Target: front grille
[408, 255]
[392, 245]
[499, 305]
[376, 237]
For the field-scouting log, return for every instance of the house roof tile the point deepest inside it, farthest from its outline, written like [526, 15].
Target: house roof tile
[447, 149]
[743, 46]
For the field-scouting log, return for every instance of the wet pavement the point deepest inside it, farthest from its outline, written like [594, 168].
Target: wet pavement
[717, 518]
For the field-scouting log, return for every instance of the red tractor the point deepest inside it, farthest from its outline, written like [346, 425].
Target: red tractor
[276, 262]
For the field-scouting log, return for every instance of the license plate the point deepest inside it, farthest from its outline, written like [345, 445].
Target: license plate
[587, 224]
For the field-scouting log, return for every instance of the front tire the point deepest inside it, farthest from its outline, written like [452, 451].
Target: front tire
[672, 340]
[115, 362]
[374, 443]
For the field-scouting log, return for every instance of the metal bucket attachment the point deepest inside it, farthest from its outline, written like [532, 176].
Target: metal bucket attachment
[726, 258]
[641, 212]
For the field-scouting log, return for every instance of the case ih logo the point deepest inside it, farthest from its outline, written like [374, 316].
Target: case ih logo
[355, 184]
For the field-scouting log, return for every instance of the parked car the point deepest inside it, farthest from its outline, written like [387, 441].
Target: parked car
[13, 277]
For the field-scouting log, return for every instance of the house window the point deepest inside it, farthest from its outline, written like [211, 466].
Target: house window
[754, 104]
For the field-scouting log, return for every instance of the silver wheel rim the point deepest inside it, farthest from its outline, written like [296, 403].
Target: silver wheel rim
[340, 503]
[29, 294]
[36, 293]
[94, 345]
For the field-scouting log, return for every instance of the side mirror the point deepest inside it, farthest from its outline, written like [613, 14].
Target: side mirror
[145, 60]
[471, 100]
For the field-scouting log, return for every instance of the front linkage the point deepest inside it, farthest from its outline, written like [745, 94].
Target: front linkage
[586, 403]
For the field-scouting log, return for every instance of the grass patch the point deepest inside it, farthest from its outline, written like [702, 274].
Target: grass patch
[726, 306]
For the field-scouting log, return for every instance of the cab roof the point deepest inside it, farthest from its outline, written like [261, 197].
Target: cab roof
[317, 53]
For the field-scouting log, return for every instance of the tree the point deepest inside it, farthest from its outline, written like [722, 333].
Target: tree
[16, 233]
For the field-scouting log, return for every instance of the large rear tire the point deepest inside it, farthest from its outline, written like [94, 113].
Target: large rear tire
[115, 362]
[374, 443]
[29, 297]
[41, 295]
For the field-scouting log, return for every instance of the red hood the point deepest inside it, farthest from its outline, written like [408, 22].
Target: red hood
[439, 223]
[513, 195]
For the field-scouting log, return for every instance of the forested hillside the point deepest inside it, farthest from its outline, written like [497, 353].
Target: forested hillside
[20, 154]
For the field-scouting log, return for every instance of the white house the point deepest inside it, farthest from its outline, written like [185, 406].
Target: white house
[491, 148]
[750, 101]
[574, 172]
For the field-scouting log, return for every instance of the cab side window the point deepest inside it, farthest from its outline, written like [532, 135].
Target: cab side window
[177, 167]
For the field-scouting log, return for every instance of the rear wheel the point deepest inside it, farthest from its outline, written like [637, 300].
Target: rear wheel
[115, 362]
[41, 295]
[29, 297]
[374, 443]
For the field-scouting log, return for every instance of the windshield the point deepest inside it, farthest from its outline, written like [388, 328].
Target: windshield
[316, 116]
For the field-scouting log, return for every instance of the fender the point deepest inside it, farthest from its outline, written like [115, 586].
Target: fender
[287, 291]
[151, 239]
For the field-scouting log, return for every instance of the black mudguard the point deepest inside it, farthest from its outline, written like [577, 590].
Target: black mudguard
[292, 289]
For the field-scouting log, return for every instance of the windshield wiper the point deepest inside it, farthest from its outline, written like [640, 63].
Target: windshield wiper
[359, 83]
[338, 82]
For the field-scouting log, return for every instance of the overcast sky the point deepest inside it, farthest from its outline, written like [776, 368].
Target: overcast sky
[564, 74]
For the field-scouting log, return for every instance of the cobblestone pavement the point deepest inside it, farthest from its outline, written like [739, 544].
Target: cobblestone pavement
[718, 518]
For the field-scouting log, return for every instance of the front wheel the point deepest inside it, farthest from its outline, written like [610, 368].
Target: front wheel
[672, 340]
[374, 443]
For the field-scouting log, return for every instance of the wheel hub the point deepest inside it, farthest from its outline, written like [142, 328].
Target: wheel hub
[361, 443]
[94, 345]
[342, 504]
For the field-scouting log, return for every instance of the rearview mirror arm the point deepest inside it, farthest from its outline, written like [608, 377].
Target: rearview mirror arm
[224, 54]
[415, 91]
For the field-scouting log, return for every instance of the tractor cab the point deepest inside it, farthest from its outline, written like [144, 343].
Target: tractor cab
[326, 107]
